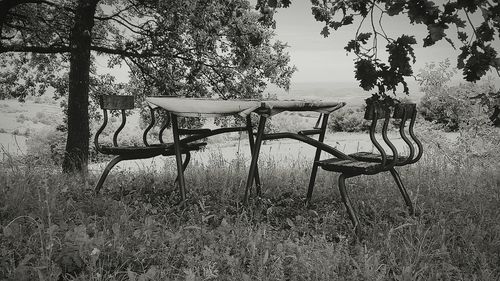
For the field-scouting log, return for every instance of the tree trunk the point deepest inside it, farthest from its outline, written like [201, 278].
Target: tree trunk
[77, 144]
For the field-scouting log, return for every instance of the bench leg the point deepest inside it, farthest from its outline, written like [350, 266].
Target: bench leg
[106, 171]
[348, 205]
[403, 191]
[314, 171]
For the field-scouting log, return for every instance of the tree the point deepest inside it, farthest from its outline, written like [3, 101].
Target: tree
[478, 52]
[170, 46]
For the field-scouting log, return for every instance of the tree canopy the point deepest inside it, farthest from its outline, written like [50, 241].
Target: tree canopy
[208, 47]
[190, 48]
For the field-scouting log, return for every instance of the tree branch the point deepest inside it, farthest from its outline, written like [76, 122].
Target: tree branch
[35, 49]
[115, 14]
[123, 52]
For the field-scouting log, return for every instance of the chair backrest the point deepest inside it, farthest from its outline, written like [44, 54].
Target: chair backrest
[374, 112]
[113, 102]
[405, 111]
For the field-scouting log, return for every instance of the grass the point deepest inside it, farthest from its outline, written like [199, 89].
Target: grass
[53, 226]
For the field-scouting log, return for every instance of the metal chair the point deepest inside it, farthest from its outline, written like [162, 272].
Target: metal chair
[123, 103]
[367, 163]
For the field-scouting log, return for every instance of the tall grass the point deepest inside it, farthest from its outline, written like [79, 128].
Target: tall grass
[53, 227]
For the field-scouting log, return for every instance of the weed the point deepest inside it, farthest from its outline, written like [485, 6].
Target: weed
[53, 226]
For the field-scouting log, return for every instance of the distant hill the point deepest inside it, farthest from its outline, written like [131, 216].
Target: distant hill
[350, 93]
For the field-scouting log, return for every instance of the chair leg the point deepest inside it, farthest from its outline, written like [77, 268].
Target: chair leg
[184, 166]
[348, 206]
[106, 171]
[403, 191]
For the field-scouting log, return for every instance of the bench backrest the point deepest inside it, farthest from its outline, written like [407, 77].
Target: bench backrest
[122, 103]
[113, 102]
[404, 112]
[375, 112]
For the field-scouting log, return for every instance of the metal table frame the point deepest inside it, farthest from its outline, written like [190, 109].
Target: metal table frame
[195, 135]
[264, 111]
[303, 136]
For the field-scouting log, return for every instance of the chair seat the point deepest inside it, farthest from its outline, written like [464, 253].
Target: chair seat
[165, 149]
[374, 157]
[349, 166]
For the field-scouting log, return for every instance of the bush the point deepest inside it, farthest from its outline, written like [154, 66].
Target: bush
[348, 120]
[21, 131]
[43, 118]
[47, 144]
[21, 118]
[450, 106]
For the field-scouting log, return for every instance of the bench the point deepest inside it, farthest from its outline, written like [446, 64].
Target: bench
[367, 163]
[121, 153]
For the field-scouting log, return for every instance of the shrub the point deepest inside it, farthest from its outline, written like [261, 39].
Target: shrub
[348, 120]
[21, 131]
[451, 107]
[47, 144]
[480, 141]
[21, 118]
[43, 118]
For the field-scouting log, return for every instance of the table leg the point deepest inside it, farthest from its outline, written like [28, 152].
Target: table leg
[314, 170]
[255, 157]
[178, 158]
[252, 143]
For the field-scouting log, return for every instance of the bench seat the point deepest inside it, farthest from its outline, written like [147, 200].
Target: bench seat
[165, 149]
[350, 166]
[375, 157]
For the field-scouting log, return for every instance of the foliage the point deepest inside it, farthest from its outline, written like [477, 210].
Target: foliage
[348, 120]
[46, 144]
[451, 106]
[480, 141]
[228, 54]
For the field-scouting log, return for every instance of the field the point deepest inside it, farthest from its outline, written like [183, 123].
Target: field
[54, 227]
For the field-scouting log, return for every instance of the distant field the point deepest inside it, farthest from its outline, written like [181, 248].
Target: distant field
[19, 120]
[346, 92]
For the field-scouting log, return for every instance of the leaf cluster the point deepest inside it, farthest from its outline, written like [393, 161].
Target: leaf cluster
[477, 56]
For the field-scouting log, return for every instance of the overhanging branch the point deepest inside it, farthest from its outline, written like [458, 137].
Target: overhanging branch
[35, 49]
[123, 52]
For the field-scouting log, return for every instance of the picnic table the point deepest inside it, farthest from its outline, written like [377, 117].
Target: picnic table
[204, 107]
